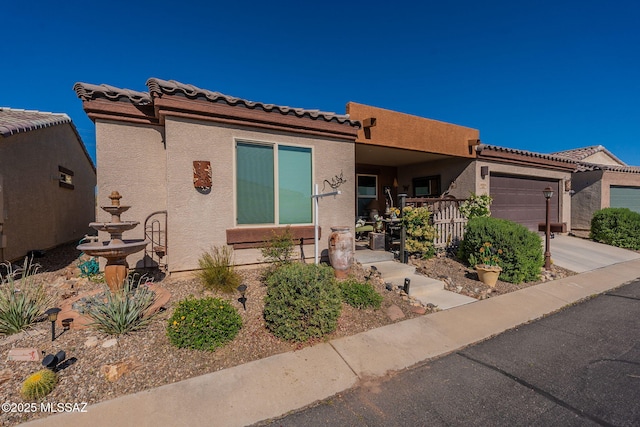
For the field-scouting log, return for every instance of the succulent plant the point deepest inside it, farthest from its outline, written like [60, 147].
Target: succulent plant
[39, 384]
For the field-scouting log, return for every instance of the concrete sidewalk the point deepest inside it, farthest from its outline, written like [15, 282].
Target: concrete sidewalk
[271, 387]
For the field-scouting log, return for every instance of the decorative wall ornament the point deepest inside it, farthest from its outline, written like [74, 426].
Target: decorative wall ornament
[202, 175]
[335, 182]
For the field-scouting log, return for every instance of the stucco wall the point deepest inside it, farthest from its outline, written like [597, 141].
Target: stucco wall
[456, 176]
[399, 130]
[601, 158]
[199, 221]
[38, 213]
[587, 198]
[131, 159]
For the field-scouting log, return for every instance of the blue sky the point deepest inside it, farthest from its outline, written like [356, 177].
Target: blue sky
[542, 76]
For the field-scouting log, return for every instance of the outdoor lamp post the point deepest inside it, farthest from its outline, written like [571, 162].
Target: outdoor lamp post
[52, 314]
[548, 193]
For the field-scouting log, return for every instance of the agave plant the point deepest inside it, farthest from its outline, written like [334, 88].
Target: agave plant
[22, 299]
[125, 310]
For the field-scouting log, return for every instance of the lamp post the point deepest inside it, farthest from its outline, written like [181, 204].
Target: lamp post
[548, 193]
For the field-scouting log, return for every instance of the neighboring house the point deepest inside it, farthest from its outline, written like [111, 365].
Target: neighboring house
[47, 182]
[401, 153]
[600, 180]
[221, 170]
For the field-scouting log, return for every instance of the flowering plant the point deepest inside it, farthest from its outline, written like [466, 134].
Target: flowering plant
[360, 222]
[488, 255]
[394, 212]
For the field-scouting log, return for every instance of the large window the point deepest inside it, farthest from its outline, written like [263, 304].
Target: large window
[273, 184]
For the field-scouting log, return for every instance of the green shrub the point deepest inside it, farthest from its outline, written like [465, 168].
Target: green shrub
[419, 231]
[476, 206]
[122, 311]
[279, 249]
[203, 324]
[617, 227]
[22, 299]
[303, 301]
[521, 258]
[39, 384]
[216, 270]
[360, 295]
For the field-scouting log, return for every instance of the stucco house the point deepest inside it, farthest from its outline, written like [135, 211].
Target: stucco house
[402, 153]
[600, 180]
[47, 182]
[218, 170]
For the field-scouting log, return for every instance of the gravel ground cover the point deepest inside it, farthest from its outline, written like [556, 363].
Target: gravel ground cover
[104, 368]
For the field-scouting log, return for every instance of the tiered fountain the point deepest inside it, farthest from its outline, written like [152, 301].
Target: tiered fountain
[115, 250]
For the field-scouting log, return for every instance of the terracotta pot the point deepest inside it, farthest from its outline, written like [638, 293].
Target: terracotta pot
[488, 274]
[341, 250]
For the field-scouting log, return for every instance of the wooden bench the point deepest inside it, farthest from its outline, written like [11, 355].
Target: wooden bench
[256, 237]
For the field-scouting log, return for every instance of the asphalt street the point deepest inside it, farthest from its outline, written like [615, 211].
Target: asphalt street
[578, 367]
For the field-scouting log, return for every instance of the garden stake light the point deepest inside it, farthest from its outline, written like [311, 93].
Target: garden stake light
[407, 283]
[243, 300]
[52, 314]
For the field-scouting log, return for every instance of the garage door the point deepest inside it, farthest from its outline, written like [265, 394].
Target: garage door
[625, 197]
[520, 199]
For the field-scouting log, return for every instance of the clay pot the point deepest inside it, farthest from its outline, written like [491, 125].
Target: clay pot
[341, 250]
[488, 274]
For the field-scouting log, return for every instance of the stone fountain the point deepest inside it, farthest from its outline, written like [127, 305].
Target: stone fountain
[116, 249]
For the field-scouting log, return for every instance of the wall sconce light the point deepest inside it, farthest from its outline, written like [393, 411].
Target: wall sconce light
[243, 300]
[484, 171]
[52, 315]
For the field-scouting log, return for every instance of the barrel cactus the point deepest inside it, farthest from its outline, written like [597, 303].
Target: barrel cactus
[39, 384]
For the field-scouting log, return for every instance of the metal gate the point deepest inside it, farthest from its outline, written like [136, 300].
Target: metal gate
[155, 230]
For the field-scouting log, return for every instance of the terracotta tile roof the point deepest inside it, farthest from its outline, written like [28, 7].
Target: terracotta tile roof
[14, 121]
[158, 88]
[587, 167]
[525, 153]
[88, 92]
[584, 152]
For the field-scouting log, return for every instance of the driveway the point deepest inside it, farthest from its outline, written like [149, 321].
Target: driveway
[581, 255]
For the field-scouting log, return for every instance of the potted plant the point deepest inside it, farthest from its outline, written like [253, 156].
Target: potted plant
[488, 267]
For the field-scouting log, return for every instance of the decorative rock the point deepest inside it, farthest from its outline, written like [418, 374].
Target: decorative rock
[5, 375]
[110, 343]
[117, 370]
[419, 310]
[24, 355]
[394, 312]
[91, 342]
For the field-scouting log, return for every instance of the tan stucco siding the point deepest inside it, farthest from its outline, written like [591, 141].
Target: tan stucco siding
[198, 221]
[587, 198]
[37, 212]
[602, 158]
[399, 130]
[455, 177]
[131, 160]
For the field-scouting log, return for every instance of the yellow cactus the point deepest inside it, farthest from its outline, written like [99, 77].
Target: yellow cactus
[39, 384]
